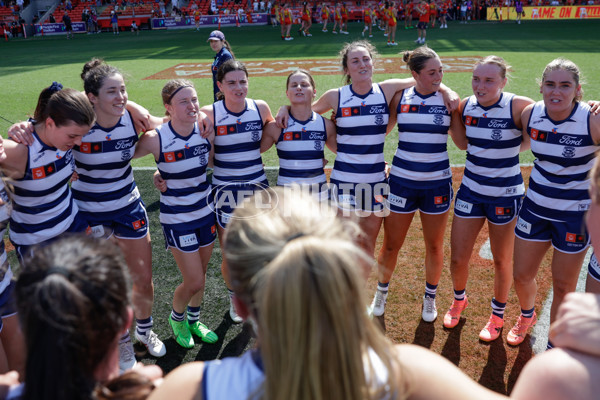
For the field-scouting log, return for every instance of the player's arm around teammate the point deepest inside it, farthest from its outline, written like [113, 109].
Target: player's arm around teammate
[301, 92]
[564, 138]
[186, 215]
[491, 189]
[420, 177]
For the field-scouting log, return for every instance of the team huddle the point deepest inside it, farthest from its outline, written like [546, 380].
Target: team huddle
[70, 171]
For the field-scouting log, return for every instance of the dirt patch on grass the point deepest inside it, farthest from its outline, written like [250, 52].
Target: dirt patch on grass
[383, 65]
[496, 365]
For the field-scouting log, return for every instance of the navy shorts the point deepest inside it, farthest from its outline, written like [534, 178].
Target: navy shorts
[430, 201]
[568, 235]
[79, 225]
[129, 223]
[498, 212]
[367, 197]
[190, 240]
[422, 25]
[229, 196]
[8, 304]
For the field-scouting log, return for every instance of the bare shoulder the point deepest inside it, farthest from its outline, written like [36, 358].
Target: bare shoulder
[522, 101]
[559, 374]
[208, 110]
[183, 383]
[16, 159]
[262, 105]
[432, 376]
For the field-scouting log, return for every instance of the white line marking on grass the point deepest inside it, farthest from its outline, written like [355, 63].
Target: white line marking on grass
[486, 251]
[539, 336]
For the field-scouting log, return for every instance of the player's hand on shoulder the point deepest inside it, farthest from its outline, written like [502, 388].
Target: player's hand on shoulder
[21, 132]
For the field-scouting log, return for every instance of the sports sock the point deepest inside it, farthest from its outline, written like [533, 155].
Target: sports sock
[430, 290]
[125, 337]
[143, 326]
[459, 295]
[178, 317]
[193, 314]
[527, 313]
[498, 308]
[383, 287]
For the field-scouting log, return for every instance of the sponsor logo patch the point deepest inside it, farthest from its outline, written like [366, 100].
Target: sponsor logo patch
[463, 206]
[397, 200]
[440, 199]
[574, 238]
[97, 231]
[188, 240]
[523, 226]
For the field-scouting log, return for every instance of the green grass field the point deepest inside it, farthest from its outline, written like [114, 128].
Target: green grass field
[27, 65]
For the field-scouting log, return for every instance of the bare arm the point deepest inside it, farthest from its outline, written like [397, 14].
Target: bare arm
[328, 101]
[557, 375]
[595, 127]
[577, 324]
[331, 141]
[458, 131]
[434, 377]
[14, 160]
[149, 143]
[526, 143]
[211, 154]
[393, 112]
[270, 136]
[392, 86]
[183, 383]
[141, 117]
[518, 105]
[265, 112]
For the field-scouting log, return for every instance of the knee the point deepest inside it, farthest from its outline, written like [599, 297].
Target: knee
[503, 265]
[194, 286]
[561, 288]
[522, 277]
[435, 249]
[143, 280]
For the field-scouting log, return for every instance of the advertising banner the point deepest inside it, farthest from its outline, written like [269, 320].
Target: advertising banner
[546, 12]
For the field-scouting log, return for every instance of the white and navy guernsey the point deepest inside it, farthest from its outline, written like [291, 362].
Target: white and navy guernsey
[492, 169]
[237, 145]
[247, 371]
[565, 152]
[43, 206]
[106, 183]
[361, 124]
[5, 210]
[301, 150]
[182, 164]
[421, 160]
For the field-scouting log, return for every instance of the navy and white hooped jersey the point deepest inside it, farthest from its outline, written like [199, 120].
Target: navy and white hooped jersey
[247, 372]
[43, 206]
[421, 160]
[301, 150]
[361, 124]
[103, 164]
[492, 169]
[182, 164]
[237, 145]
[565, 153]
[5, 210]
